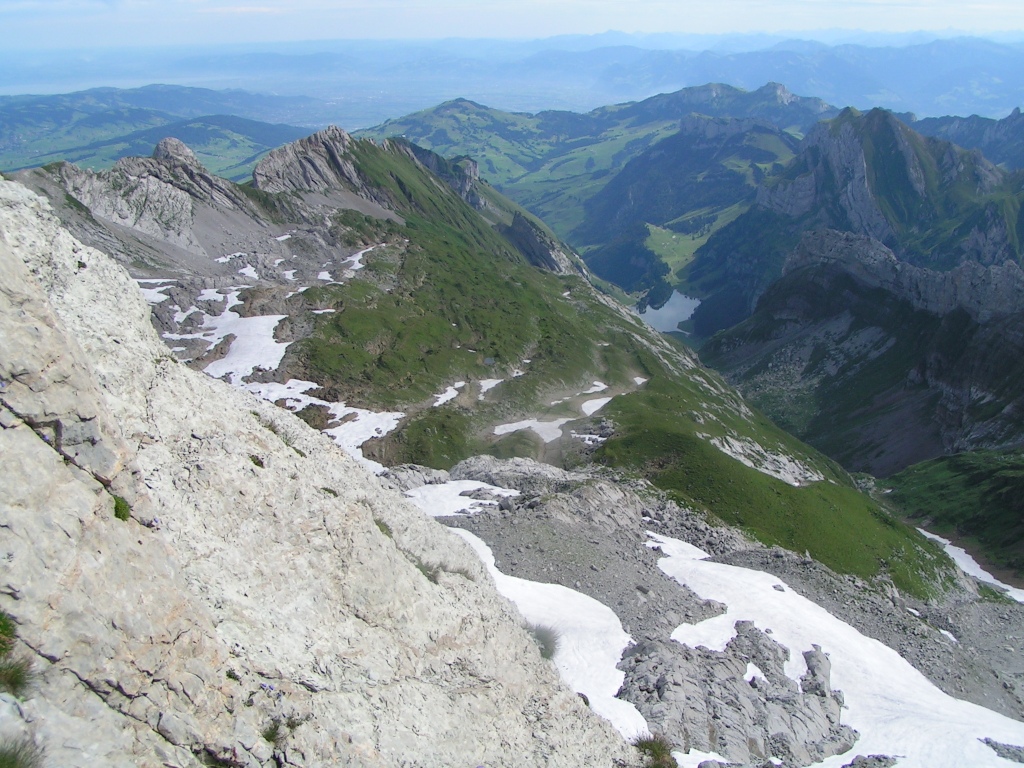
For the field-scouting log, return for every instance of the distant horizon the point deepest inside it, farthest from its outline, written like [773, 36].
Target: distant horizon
[42, 25]
[694, 41]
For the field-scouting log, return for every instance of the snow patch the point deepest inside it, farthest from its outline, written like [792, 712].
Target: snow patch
[777, 465]
[155, 295]
[249, 271]
[896, 709]
[694, 758]
[599, 386]
[289, 274]
[446, 499]
[486, 385]
[324, 275]
[359, 426]
[590, 639]
[949, 635]
[449, 394]
[282, 238]
[549, 431]
[639, 380]
[753, 671]
[357, 258]
[323, 311]
[971, 567]
[254, 345]
[593, 406]
[229, 257]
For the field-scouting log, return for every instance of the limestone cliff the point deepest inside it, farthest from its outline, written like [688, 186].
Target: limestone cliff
[264, 602]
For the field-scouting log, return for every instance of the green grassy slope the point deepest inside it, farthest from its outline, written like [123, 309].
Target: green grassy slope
[447, 299]
[977, 496]
[553, 162]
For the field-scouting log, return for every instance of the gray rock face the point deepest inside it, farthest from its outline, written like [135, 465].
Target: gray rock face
[983, 291]
[540, 249]
[318, 163]
[706, 700]
[250, 610]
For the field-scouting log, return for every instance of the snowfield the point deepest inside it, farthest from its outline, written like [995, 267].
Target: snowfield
[971, 567]
[590, 639]
[896, 709]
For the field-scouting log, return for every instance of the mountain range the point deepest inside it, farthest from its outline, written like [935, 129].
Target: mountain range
[433, 318]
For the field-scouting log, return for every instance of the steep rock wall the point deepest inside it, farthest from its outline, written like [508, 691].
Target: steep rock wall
[266, 602]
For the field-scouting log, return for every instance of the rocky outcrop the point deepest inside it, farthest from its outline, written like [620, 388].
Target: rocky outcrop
[539, 248]
[155, 196]
[322, 163]
[261, 601]
[983, 292]
[716, 705]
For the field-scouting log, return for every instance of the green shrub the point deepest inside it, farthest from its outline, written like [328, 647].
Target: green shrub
[657, 751]
[20, 753]
[547, 639]
[122, 509]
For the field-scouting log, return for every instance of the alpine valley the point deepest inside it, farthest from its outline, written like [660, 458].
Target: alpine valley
[369, 459]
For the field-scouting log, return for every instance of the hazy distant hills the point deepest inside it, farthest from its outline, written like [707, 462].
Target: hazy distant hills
[97, 127]
[1001, 141]
[363, 83]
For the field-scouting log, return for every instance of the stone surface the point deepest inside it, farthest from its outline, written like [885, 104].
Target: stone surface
[258, 592]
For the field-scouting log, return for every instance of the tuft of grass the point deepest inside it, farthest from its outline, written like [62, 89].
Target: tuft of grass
[329, 491]
[384, 528]
[8, 631]
[256, 460]
[547, 639]
[20, 753]
[15, 675]
[657, 751]
[273, 733]
[122, 509]
[431, 570]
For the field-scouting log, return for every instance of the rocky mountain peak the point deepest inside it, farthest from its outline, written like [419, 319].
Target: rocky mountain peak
[175, 151]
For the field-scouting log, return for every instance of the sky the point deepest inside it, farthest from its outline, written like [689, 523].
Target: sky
[31, 24]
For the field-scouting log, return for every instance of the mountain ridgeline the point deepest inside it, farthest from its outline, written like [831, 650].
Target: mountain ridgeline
[444, 298]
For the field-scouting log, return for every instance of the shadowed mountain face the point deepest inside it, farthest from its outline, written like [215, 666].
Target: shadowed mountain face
[882, 272]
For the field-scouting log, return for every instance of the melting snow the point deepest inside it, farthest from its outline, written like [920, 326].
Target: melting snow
[155, 295]
[289, 274]
[695, 758]
[229, 257]
[897, 710]
[971, 567]
[588, 439]
[362, 425]
[282, 238]
[357, 258]
[549, 431]
[599, 386]
[210, 294]
[590, 639]
[640, 380]
[445, 499]
[325, 275]
[753, 671]
[946, 633]
[487, 385]
[323, 311]
[449, 394]
[593, 406]
[249, 271]
[253, 347]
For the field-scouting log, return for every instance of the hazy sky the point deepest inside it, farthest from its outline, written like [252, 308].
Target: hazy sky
[96, 23]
